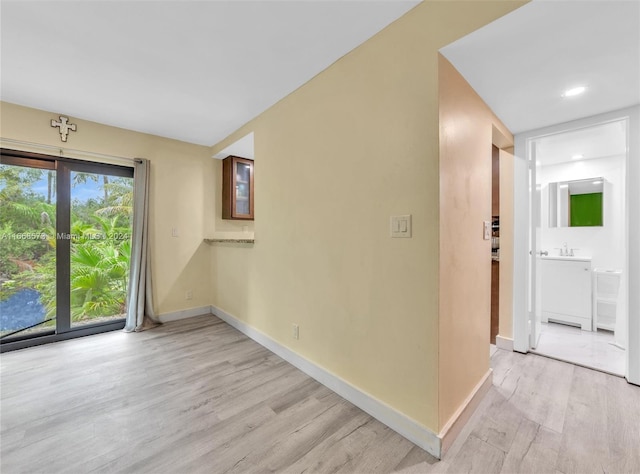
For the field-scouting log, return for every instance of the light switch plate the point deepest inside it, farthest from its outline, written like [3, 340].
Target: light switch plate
[401, 226]
[487, 230]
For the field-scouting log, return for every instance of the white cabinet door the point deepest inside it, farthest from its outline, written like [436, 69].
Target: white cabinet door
[566, 291]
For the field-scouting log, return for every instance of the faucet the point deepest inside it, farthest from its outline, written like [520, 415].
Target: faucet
[564, 252]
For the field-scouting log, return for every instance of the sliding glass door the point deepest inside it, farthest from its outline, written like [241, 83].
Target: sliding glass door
[65, 230]
[27, 248]
[101, 215]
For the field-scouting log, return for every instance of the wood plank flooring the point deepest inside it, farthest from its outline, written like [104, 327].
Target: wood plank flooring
[546, 416]
[198, 396]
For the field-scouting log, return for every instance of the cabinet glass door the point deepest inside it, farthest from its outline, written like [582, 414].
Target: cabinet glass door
[243, 178]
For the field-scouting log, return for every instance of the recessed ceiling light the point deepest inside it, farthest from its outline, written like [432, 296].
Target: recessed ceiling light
[574, 91]
[577, 157]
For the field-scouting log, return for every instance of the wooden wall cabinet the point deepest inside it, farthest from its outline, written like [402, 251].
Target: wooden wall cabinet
[237, 188]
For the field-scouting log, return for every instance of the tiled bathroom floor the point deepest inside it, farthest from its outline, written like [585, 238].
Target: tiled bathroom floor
[590, 349]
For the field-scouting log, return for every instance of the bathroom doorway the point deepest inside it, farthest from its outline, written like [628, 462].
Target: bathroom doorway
[578, 236]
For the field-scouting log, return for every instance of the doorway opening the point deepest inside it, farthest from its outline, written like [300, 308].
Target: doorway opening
[578, 231]
[65, 227]
[495, 246]
[502, 244]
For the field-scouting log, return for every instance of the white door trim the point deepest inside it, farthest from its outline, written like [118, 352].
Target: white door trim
[521, 231]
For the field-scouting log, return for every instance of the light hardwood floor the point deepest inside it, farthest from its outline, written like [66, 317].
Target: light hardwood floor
[198, 396]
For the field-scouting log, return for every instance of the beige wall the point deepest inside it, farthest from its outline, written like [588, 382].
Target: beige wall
[466, 138]
[334, 160]
[181, 196]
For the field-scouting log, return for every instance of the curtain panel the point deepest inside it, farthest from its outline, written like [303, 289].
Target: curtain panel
[140, 314]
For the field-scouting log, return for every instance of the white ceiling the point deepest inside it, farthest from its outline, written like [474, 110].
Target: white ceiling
[197, 71]
[599, 141]
[190, 70]
[521, 63]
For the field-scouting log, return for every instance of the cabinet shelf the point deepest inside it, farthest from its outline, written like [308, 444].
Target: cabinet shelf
[602, 299]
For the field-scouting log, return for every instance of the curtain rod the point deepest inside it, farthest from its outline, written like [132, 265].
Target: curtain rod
[65, 152]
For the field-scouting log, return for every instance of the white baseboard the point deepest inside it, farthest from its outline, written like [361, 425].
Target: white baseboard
[402, 424]
[184, 314]
[504, 343]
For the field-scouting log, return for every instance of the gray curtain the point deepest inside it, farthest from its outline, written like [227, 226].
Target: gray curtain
[140, 314]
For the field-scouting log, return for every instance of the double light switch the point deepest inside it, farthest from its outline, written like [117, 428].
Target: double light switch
[401, 226]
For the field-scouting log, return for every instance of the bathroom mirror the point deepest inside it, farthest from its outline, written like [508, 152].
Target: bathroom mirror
[576, 203]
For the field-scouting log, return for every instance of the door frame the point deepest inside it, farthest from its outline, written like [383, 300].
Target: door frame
[522, 245]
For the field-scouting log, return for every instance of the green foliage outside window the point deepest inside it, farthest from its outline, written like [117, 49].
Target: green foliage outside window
[100, 241]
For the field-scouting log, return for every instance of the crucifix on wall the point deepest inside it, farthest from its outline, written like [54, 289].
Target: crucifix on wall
[65, 127]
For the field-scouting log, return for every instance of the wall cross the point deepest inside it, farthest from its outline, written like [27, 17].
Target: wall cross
[65, 127]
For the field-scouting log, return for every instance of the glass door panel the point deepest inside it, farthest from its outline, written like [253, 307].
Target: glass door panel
[243, 175]
[27, 250]
[101, 226]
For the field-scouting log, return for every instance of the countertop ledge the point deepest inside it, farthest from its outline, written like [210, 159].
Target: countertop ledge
[230, 241]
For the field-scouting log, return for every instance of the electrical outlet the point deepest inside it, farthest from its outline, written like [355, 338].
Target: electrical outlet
[296, 331]
[188, 295]
[174, 232]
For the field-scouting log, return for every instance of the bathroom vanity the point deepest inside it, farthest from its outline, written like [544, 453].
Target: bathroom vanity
[566, 291]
